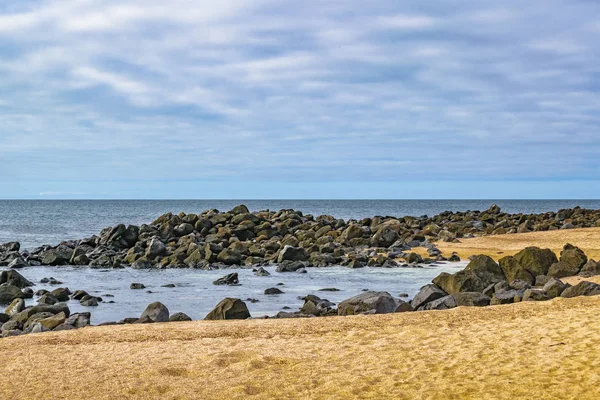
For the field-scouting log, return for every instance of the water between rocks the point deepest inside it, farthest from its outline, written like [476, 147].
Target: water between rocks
[195, 295]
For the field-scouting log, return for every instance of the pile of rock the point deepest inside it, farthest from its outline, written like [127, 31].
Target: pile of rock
[533, 274]
[214, 239]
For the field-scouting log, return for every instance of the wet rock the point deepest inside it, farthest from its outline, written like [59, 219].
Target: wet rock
[230, 279]
[17, 263]
[290, 266]
[368, 302]
[271, 291]
[14, 278]
[315, 306]
[137, 286]
[89, 301]
[57, 257]
[48, 299]
[27, 293]
[79, 294]
[62, 294]
[156, 248]
[229, 308]
[471, 299]
[156, 312]
[169, 285]
[260, 271]
[8, 293]
[461, 281]
[10, 247]
[329, 290]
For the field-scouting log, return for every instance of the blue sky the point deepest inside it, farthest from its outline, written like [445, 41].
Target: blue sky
[289, 99]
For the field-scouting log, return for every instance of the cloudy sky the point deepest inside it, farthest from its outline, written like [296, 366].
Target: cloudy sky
[312, 99]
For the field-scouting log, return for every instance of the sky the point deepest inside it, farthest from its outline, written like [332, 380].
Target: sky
[299, 99]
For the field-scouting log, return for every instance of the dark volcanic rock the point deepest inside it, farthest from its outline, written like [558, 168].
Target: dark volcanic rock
[535, 260]
[229, 308]
[368, 302]
[584, 288]
[230, 279]
[427, 293]
[14, 278]
[156, 312]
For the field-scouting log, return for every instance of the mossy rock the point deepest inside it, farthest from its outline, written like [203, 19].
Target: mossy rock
[535, 260]
[515, 271]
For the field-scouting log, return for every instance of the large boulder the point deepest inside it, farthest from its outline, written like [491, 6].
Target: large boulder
[15, 307]
[62, 294]
[179, 317]
[385, 236]
[443, 303]
[368, 303]
[229, 308]
[57, 257]
[506, 297]
[9, 292]
[590, 268]
[562, 269]
[535, 260]
[230, 257]
[53, 321]
[427, 294]
[583, 288]
[471, 299]
[573, 256]
[290, 253]
[241, 209]
[14, 278]
[486, 268]
[156, 248]
[183, 229]
[515, 271]
[230, 279]
[462, 281]
[10, 247]
[156, 312]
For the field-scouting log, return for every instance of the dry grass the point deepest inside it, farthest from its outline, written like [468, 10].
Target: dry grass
[547, 350]
[498, 246]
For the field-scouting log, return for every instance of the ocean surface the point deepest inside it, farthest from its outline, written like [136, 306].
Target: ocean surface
[34, 223]
[37, 222]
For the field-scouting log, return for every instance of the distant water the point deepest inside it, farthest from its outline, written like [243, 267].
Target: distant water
[37, 222]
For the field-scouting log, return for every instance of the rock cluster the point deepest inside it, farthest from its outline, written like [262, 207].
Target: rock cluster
[214, 239]
[533, 274]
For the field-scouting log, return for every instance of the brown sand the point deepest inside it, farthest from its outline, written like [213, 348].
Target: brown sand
[498, 246]
[548, 350]
[544, 350]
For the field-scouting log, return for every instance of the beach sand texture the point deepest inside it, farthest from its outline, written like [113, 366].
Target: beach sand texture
[498, 246]
[548, 350]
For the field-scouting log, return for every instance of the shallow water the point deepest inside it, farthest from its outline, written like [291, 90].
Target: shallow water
[196, 295]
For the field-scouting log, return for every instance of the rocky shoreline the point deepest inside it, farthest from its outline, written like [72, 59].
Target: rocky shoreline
[294, 242]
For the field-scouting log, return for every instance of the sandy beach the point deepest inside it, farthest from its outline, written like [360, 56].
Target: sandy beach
[529, 350]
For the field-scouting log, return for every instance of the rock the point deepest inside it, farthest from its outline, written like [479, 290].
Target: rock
[10, 247]
[230, 257]
[56, 257]
[260, 271]
[18, 263]
[4, 318]
[506, 297]
[89, 301]
[443, 303]
[562, 269]
[356, 264]
[535, 260]
[583, 288]
[573, 256]
[79, 320]
[14, 278]
[230, 279]
[454, 258]
[554, 288]
[270, 291]
[52, 322]
[590, 268]
[461, 281]
[514, 271]
[27, 293]
[385, 236]
[169, 285]
[156, 248]
[534, 295]
[8, 293]
[179, 317]
[486, 268]
[290, 266]
[79, 294]
[62, 294]
[156, 312]
[137, 286]
[427, 294]
[403, 306]
[15, 307]
[48, 299]
[241, 209]
[229, 308]
[471, 299]
[541, 280]
[368, 302]
[315, 306]
[290, 253]
[183, 229]
[329, 289]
